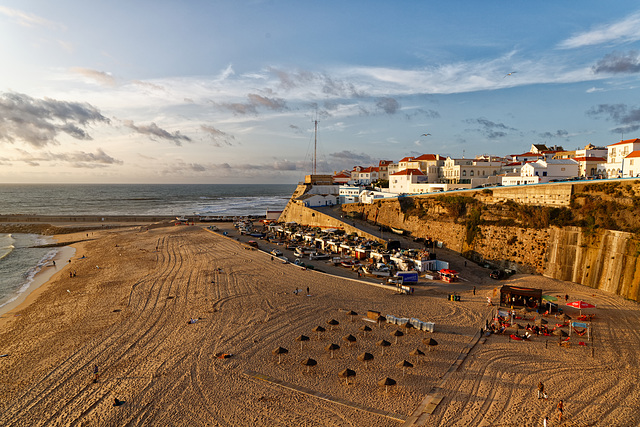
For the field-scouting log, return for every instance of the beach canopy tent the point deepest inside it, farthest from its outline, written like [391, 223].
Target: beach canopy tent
[448, 275]
[517, 296]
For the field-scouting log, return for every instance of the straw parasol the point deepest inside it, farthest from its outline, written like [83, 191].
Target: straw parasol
[365, 357]
[380, 320]
[318, 330]
[352, 314]
[346, 374]
[383, 344]
[349, 338]
[540, 321]
[386, 382]
[280, 351]
[365, 329]
[560, 332]
[417, 353]
[332, 348]
[302, 338]
[407, 327]
[404, 364]
[564, 316]
[308, 362]
[430, 342]
[397, 333]
[332, 323]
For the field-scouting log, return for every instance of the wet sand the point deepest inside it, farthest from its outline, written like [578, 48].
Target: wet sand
[127, 311]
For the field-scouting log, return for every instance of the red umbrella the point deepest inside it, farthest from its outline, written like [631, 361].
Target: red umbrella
[580, 305]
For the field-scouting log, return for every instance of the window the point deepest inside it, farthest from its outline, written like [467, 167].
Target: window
[464, 173]
[544, 173]
[471, 173]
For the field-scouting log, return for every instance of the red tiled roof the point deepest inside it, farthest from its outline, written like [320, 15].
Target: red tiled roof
[408, 172]
[426, 157]
[590, 159]
[385, 162]
[626, 141]
[342, 175]
[407, 159]
[633, 154]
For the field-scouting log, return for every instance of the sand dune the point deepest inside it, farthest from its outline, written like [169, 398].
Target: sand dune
[127, 311]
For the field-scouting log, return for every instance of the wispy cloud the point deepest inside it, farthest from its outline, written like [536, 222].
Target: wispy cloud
[219, 137]
[29, 19]
[490, 129]
[616, 63]
[99, 77]
[628, 118]
[154, 131]
[623, 31]
[77, 159]
[39, 121]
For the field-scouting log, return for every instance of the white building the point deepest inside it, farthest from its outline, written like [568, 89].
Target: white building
[591, 166]
[553, 169]
[404, 180]
[470, 172]
[616, 153]
[349, 194]
[317, 200]
[631, 164]
[369, 196]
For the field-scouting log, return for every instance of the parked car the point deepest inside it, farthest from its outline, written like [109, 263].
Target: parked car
[276, 252]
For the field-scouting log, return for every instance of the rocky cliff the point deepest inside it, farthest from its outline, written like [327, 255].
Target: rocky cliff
[588, 233]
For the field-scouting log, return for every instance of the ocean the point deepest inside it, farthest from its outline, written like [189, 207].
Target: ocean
[20, 261]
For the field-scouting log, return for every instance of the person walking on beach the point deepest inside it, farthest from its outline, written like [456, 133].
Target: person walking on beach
[95, 373]
[560, 410]
[545, 422]
[541, 393]
[474, 290]
[308, 291]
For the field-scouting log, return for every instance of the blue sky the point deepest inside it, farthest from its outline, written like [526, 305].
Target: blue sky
[227, 91]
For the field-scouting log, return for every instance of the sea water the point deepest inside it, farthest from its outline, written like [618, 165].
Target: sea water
[143, 199]
[20, 260]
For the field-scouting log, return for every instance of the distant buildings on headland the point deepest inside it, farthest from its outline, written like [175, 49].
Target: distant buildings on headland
[431, 173]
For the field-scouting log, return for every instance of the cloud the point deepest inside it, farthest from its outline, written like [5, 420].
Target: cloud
[99, 77]
[388, 105]
[560, 133]
[491, 130]
[219, 137]
[431, 114]
[618, 63]
[354, 158]
[154, 131]
[627, 117]
[39, 121]
[623, 31]
[78, 159]
[254, 101]
[29, 19]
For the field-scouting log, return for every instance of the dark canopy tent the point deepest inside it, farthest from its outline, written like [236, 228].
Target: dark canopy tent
[520, 297]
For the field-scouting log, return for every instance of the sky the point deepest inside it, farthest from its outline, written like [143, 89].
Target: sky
[228, 91]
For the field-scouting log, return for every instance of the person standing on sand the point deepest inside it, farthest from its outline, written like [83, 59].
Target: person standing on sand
[474, 290]
[95, 373]
[560, 410]
[545, 422]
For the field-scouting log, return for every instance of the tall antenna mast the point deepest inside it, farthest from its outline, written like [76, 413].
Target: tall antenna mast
[315, 145]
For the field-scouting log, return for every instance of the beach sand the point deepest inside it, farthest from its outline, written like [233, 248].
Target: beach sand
[127, 312]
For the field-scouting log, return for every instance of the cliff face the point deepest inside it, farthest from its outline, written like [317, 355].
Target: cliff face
[584, 233]
[588, 233]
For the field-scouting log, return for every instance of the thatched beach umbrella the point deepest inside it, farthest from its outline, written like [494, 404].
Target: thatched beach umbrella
[346, 374]
[352, 314]
[519, 326]
[280, 351]
[560, 333]
[308, 362]
[332, 323]
[404, 364]
[540, 321]
[380, 320]
[365, 329]
[302, 338]
[397, 333]
[383, 344]
[564, 316]
[318, 330]
[349, 338]
[365, 357]
[417, 353]
[407, 327]
[430, 342]
[332, 348]
[387, 382]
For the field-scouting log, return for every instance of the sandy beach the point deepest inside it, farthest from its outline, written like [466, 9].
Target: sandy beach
[127, 311]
